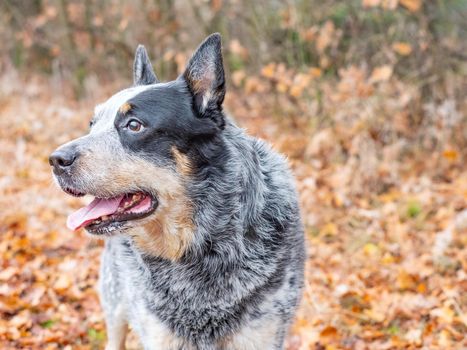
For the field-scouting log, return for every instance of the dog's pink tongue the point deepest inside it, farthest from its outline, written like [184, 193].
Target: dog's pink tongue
[94, 210]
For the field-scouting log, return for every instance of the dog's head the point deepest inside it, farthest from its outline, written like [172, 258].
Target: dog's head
[135, 159]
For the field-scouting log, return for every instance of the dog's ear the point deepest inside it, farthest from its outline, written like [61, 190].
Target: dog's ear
[143, 74]
[204, 76]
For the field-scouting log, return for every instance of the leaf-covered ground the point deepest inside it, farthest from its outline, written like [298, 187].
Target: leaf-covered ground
[386, 230]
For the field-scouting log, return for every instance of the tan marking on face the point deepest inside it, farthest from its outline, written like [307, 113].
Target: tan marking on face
[183, 163]
[124, 108]
[169, 231]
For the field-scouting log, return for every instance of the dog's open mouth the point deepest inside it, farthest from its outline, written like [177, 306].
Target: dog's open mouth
[106, 213]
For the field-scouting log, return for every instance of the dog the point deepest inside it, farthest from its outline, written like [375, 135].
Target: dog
[204, 245]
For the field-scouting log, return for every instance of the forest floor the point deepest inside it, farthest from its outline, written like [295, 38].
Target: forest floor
[386, 268]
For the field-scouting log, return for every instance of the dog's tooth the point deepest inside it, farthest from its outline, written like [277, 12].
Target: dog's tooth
[130, 201]
[104, 218]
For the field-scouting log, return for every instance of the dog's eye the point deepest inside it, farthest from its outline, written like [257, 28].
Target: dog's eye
[134, 125]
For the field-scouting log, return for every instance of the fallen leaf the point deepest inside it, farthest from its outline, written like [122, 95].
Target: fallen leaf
[8, 273]
[411, 5]
[371, 3]
[450, 154]
[325, 36]
[414, 336]
[445, 314]
[403, 49]
[328, 331]
[371, 249]
[62, 283]
[315, 72]
[330, 229]
[238, 77]
[269, 70]
[405, 281]
[237, 49]
[380, 74]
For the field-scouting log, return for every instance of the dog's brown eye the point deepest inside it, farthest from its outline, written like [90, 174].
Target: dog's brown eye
[134, 125]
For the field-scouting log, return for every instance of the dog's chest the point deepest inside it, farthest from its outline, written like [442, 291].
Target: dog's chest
[153, 333]
[123, 284]
[167, 304]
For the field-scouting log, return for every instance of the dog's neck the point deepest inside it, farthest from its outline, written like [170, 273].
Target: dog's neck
[230, 197]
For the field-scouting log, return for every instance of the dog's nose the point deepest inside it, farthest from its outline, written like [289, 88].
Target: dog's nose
[61, 159]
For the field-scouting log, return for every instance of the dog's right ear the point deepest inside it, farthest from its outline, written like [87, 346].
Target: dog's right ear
[143, 74]
[204, 76]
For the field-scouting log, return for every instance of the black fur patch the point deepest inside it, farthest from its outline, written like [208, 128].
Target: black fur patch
[167, 116]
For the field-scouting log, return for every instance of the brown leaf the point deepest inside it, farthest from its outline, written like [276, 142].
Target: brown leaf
[403, 49]
[411, 5]
[405, 281]
[328, 331]
[326, 36]
[269, 70]
[8, 273]
[371, 3]
[381, 74]
[450, 154]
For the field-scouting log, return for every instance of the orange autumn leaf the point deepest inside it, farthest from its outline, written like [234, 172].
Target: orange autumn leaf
[450, 154]
[315, 72]
[8, 273]
[216, 5]
[371, 3]
[381, 74]
[328, 331]
[422, 288]
[62, 283]
[405, 281]
[296, 91]
[238, 49]
[238, 77]
[281, 87]
[411, 5]
[326, 36]
[403, 49]
[329, 229]
[387, 4]
[269, 70]
[445, 314]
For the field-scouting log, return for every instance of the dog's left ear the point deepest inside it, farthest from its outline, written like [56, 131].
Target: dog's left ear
[204, 76]
[143, 74]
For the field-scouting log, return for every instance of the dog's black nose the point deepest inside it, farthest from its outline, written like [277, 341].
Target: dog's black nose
[62, 159]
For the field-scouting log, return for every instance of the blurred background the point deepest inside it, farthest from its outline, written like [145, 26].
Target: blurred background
[367, 98]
